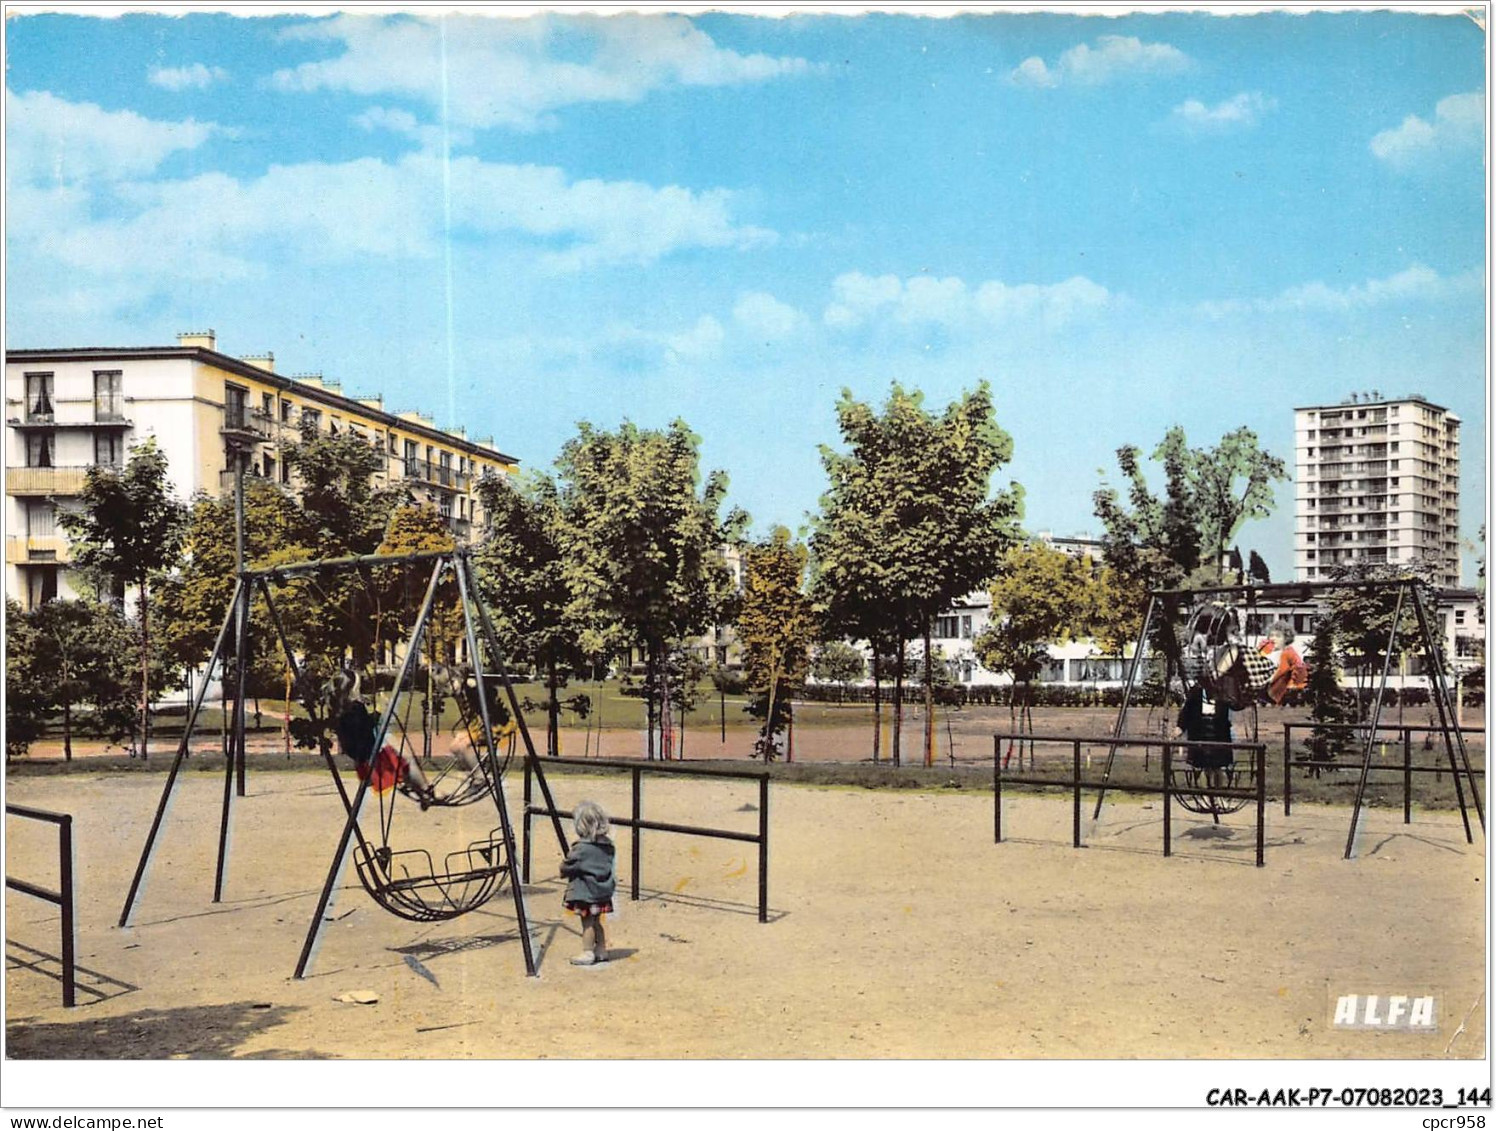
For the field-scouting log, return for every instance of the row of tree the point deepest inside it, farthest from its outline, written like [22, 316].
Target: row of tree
[615, 555]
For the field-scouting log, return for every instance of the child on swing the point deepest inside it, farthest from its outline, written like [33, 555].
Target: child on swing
[355, 727]
[589, 867]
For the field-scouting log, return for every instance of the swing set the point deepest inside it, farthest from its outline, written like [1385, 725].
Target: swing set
[402, 877]
[1232, 671]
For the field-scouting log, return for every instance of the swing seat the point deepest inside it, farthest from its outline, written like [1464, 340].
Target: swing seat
[406, 883]
[1211, 804]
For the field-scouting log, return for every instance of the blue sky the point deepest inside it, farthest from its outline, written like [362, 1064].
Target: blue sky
[1120, 223]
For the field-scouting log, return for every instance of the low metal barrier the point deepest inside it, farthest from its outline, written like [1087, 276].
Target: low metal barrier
[62, 899]
[637, 822]
[1076, 783]
[1405, 767]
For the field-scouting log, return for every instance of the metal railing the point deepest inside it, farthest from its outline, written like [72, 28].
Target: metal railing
[1404, 767]
[637, 822]
[62, 899]
[1076, 782]
[44, 480]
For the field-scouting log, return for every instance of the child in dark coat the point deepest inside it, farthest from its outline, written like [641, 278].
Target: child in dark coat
[589, 867]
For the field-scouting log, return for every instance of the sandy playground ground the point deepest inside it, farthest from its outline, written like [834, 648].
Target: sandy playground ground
[898, 929]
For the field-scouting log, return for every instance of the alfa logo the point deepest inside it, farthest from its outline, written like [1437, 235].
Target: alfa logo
[1401, 1012]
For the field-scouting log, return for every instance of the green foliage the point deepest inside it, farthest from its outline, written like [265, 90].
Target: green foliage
[1363, 615]
[129, 528]
[128, 525]
[838, 662]
[25, 683]
[345, 512]
[909, 521]
[776, 624]
[1328, 703]
[1041, 596]
[642, 540]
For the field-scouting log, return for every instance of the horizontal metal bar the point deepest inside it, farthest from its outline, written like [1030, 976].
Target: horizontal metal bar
[1385, 767]
[37, 814]
[32, 889]
[1276, 589]
[658, 768]
[1174, 791]
[1396, 728]
[1071, 739]
[296, 569]
[655, 826]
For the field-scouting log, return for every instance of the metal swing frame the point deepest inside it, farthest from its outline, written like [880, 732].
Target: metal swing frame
[1408, 591]
[402, 895]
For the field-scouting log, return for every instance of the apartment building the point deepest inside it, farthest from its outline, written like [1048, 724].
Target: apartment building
[1376, 481]
[70, 409]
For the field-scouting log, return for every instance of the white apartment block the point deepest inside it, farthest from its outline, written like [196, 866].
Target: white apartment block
[1376, 481]
[69, 409]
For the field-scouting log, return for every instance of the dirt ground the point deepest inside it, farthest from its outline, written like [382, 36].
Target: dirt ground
[897, 929]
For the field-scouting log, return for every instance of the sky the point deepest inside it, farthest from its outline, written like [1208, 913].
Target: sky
[1121, 223]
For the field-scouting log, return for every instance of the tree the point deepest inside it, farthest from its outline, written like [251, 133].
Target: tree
[128, 529]
[1363, 617]
[909, 522]
[1180, 539]
[521, 571]
[82, 650]
[838, 662]
[776, 625]
[1041, 596]
[25, 686]
[644, 538]
[1323, 694]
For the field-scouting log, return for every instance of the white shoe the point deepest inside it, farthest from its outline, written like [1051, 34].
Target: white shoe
[586, 958]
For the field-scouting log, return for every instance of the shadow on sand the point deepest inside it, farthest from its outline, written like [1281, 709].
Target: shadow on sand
[198, 1032]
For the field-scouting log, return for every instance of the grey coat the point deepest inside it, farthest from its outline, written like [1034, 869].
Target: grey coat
[589, 867]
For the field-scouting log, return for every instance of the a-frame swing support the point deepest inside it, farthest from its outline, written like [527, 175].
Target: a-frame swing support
[236, 627]
[1407, 590]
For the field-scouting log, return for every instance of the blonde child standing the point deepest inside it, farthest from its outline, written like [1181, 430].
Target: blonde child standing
[589, 867]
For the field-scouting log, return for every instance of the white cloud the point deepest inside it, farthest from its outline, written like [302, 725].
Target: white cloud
[155, 235]
[1112, 57]
[922, 301]
[1415, 284]
[515, 73]
[50, 141]
[1458, 127]
[701, 341]
[194, 76]
[765, 318]
[1239, 112]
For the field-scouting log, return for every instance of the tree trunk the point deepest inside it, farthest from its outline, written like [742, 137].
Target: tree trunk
[667, 732]
[898, 699]
[649, 700]
[877, 707]
[722, 710]
[67, 731]
[145, 672]
[553, 714]
[929, 703]
[680, 749]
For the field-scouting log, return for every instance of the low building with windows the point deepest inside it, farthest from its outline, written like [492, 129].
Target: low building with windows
[70, 409]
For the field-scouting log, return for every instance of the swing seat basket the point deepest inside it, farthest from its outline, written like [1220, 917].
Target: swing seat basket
[407, 884]
[1211, 804]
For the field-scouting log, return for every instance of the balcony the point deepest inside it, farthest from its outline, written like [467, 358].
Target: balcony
[226, 480]
[43, 481]
[20, 549]
[243, 426]
[437, 475]
[48, 422]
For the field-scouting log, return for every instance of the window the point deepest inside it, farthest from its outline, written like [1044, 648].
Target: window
[947, 628]
[312, 418]
[966, 628]
[285, 472]
[39, 450]
[108, 449]
[235, 406]
[41, 518]
[39, 396]
[267, 404]
[412, 459]
[267, 467]
[393, 448]
[286, 412]
[108, 401]
[332, 426]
